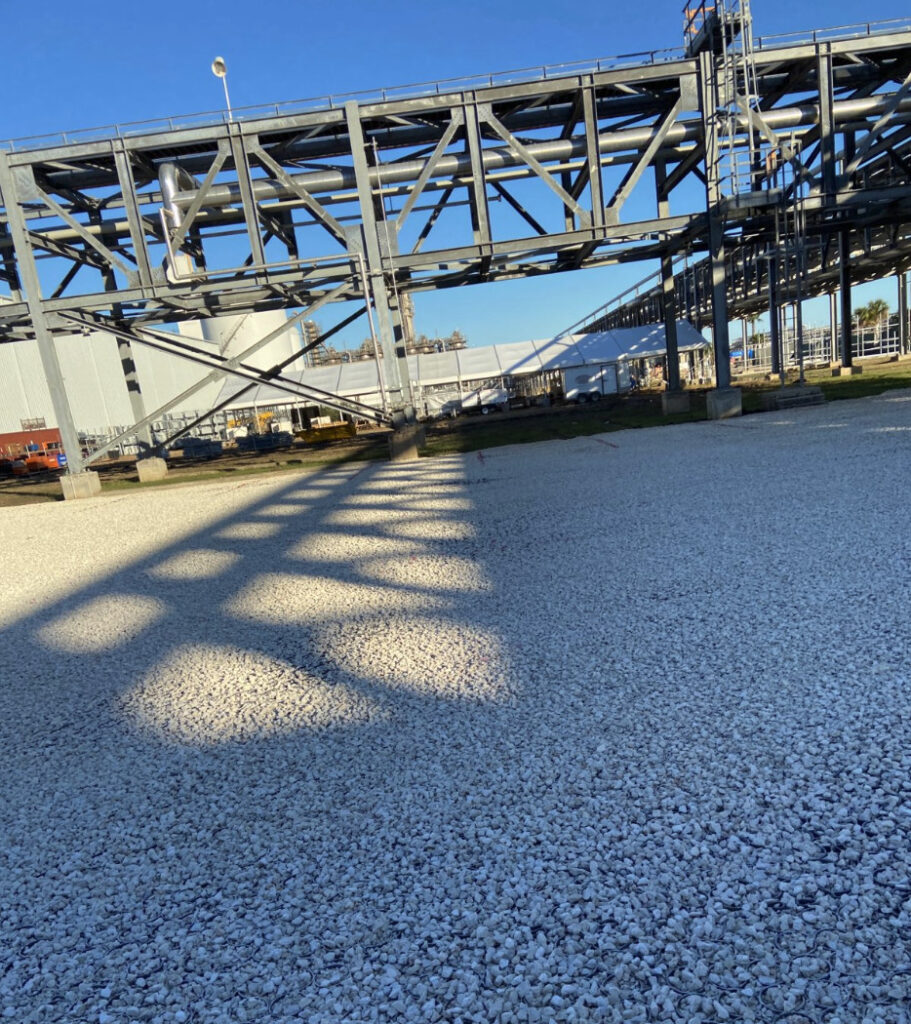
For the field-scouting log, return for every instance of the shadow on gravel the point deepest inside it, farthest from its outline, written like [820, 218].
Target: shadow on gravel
[481, 739]
[201, 743]
[336, 601]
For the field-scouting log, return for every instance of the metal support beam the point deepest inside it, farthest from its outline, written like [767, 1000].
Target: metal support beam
[593, 158]
[477, 190]
[367, 247]
[273, 376]
[47, 349]
[638, 169]
[844, 284]
[716, 225]
[134, 391]
[670, 324]
[526, 155]
[873, 135]
[134, 217]
[130, 375]
[903, 326]
[833, 327]
[457, 119]
[774, 315]
[245, 184]
[226, 367]
[668, 293]
[826, 121]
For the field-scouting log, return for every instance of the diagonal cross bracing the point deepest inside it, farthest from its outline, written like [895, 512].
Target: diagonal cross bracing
[458, 150]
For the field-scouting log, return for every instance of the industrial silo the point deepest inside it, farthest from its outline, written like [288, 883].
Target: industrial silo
[235, 334]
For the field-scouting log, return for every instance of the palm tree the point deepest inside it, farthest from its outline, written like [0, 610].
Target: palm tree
[873, 314]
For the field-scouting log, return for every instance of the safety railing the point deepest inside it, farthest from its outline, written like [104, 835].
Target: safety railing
[820, 347]
[541, 72]
[694, 19]
[821, 35]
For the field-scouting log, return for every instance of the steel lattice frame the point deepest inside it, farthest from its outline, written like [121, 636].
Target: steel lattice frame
[374, 199]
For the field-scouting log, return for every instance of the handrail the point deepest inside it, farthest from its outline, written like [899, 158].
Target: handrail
[694, 18]
[541, 72]
[860, 30]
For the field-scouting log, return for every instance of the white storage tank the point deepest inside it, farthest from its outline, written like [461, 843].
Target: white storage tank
[234, 334]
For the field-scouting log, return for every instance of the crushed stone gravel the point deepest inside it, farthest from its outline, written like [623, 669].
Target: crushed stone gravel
[576, 731]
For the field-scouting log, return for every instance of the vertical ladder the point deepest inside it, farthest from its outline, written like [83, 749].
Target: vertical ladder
[725, 27]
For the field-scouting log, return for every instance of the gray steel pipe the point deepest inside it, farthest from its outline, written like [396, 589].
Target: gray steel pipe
[559, 149]
[176, 194]
[167, 180]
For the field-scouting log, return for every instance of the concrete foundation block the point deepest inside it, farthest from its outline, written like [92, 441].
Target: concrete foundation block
[722, 403]
[847, 371]
[796, 394]
[151, 469]
[674, 401]
[80, 485]
[405, 441]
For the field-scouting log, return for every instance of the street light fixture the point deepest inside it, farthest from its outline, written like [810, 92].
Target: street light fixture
[220, 70]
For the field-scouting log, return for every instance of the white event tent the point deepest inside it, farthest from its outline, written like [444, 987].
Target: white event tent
[465, 369]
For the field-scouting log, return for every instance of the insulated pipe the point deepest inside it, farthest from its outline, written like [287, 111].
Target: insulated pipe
[179, 264]
[403, 173]
[167, 179]
[121, 228]
[558, 149]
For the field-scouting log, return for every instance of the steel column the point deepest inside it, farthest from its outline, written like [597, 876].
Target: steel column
[395, 363]
[668, 293]
[28, 272]
[130, 375]
[670, 324]
[833, 327]
[715, 212]
[774, 316]
[826, 120]
[903, 326]
[844, 284]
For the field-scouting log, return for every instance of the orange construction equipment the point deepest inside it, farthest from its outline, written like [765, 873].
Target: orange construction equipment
[31, 451]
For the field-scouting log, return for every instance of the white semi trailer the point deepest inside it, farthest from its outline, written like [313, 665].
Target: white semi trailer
[485, 400]
[591, 383]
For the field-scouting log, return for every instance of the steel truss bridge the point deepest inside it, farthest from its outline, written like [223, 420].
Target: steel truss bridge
[763, 161]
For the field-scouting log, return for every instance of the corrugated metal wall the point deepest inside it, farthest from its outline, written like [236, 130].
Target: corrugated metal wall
[94, 380]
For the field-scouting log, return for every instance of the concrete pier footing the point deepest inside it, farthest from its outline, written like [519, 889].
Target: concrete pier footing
[405, 441]
[674, 401]
[722, 403]
[80, 485]
[151, 469]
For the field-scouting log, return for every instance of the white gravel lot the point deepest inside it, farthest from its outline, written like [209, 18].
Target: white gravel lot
[611, 729]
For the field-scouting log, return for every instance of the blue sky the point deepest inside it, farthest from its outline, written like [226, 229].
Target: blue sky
[81, 65]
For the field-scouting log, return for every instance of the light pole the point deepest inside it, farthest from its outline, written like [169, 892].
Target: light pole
[220, 70]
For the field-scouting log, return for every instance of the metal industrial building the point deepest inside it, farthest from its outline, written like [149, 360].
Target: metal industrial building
[753, 171]
[91, 365]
